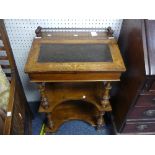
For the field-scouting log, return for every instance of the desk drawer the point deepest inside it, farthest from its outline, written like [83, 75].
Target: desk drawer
[141, 127]
[146, 113]
[152, 86]
[149, 85]
[146, 101]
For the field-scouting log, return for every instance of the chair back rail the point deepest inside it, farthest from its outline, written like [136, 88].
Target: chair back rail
[18, 111]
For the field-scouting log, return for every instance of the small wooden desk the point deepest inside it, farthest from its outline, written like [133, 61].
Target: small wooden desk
[74, 70]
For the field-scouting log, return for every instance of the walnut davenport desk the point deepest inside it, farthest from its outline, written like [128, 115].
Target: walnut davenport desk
[73, 69]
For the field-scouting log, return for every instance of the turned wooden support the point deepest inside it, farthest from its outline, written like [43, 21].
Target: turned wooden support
[44, 100]
[100, 120]
[105, 99]
[49, 121]
[110, 31]
[38, 31]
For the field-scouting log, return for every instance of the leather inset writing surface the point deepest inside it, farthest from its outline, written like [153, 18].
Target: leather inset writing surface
[74, 53]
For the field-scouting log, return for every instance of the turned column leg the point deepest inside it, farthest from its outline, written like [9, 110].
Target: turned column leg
[105, 105]
[105, 99]
[49, 121]
[44, 101]
[100, 120]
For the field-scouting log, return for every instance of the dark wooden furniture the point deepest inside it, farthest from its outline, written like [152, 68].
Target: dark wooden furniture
[134, 102]
[17, 118]
[74, 69]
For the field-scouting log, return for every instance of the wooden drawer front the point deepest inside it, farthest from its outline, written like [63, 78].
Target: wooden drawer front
[142, 113]
[139, 127]
[149, 86]
[146, 101]
[152, 86]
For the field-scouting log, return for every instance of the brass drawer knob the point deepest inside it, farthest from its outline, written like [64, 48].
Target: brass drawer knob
[149, 113]
[141, 127]
[153, 101]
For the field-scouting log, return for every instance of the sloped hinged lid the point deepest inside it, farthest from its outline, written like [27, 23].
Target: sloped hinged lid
[74, 51]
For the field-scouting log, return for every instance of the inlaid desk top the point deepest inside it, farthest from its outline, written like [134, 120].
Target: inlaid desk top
[77, 57]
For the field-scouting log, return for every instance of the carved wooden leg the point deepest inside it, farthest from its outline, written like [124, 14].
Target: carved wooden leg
[105, 100]
[100, 120]
[50, 122]
[105, 104]
[44, 101]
